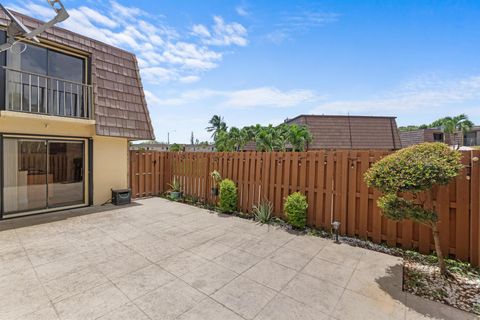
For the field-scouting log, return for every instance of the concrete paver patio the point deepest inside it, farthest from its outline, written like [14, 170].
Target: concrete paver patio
[158, 259]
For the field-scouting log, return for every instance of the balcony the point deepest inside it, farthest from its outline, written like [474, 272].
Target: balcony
[40, 94]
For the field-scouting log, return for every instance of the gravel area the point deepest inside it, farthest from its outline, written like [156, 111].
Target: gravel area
[458, 290]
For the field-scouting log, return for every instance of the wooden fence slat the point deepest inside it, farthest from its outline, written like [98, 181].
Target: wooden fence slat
[352, 195]
[327, 220]
[376, 214]
[462, 215]
[363, 201]
[475, 207]
[443, 209]
[311, 189]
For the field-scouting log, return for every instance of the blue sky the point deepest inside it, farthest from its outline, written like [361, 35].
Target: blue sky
[263, 61]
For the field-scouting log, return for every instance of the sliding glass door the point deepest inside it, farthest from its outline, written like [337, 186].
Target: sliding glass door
[42, 174]
[65, 164]
[25, 175]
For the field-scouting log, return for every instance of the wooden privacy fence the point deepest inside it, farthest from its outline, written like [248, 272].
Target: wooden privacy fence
[335, 189]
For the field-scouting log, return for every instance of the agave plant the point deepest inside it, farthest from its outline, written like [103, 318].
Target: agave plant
[263, 212]
[175, 186]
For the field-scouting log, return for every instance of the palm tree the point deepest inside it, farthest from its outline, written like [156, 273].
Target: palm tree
[216, 125]
[235, 137]
[267, 138]
[298, 137]
[223, 143]
[454, 125]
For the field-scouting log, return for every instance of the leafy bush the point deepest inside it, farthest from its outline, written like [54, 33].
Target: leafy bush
[416, 168]
[263, 212]
[295, 208]
[228, 196]
[175, 147]
[410, 171]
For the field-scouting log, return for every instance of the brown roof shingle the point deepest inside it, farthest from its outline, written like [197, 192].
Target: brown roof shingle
[350, 132]
[120, 106]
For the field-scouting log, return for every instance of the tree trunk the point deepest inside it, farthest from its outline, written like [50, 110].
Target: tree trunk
[438, 249]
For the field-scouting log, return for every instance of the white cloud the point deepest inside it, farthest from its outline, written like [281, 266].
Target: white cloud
[263, 97]
[222, 33]
[164, 54]
[267, 97]
[189, 79]
[242, 11]
[424, 93]
[98, 17]
[201, 31]
[298, 22]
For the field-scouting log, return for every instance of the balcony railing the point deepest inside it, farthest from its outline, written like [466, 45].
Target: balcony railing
[35, 93]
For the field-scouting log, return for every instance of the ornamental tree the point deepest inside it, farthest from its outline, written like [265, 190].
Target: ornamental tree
[411, 171]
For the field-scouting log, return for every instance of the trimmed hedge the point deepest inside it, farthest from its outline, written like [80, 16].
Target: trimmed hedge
[228, 196]
[416, 168]
[295, 208]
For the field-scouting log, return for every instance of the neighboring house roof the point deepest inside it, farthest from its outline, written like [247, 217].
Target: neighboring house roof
[350, 132]
[119, 101]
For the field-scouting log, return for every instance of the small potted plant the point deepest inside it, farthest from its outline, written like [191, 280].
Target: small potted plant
[217, 178]
[175, 189]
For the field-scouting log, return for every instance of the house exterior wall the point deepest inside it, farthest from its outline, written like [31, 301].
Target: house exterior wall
[110, 154]
[410, 138]
[109, 174]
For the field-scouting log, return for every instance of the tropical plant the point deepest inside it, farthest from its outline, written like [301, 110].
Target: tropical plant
[223, 143]
[455, 125]
[268, 138]
[413, 172]
[263, 212]
[295, 208]
[228, 196]
[216, 125]
[175, 186]
[298, 137]
[175, 147]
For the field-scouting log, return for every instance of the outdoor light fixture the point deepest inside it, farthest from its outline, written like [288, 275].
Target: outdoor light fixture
[336, 227]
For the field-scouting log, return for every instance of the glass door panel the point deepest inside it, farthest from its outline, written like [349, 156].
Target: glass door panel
[25, 175]
[65, 166]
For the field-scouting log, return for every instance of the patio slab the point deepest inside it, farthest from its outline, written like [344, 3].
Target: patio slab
[157, 259]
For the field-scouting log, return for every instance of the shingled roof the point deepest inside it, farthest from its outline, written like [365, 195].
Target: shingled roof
[120, 106]
[350, 132]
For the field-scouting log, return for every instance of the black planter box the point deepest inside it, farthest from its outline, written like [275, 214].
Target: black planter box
[121, 196]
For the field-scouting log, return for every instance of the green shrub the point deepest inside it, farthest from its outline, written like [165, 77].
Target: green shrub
[416, 168]
[410, 171]
[228, 196]
[263, 212]
[295, 208]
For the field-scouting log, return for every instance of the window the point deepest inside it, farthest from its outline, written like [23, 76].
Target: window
[65, 67]
[34, 60]
[438, 137]
[49, 62]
